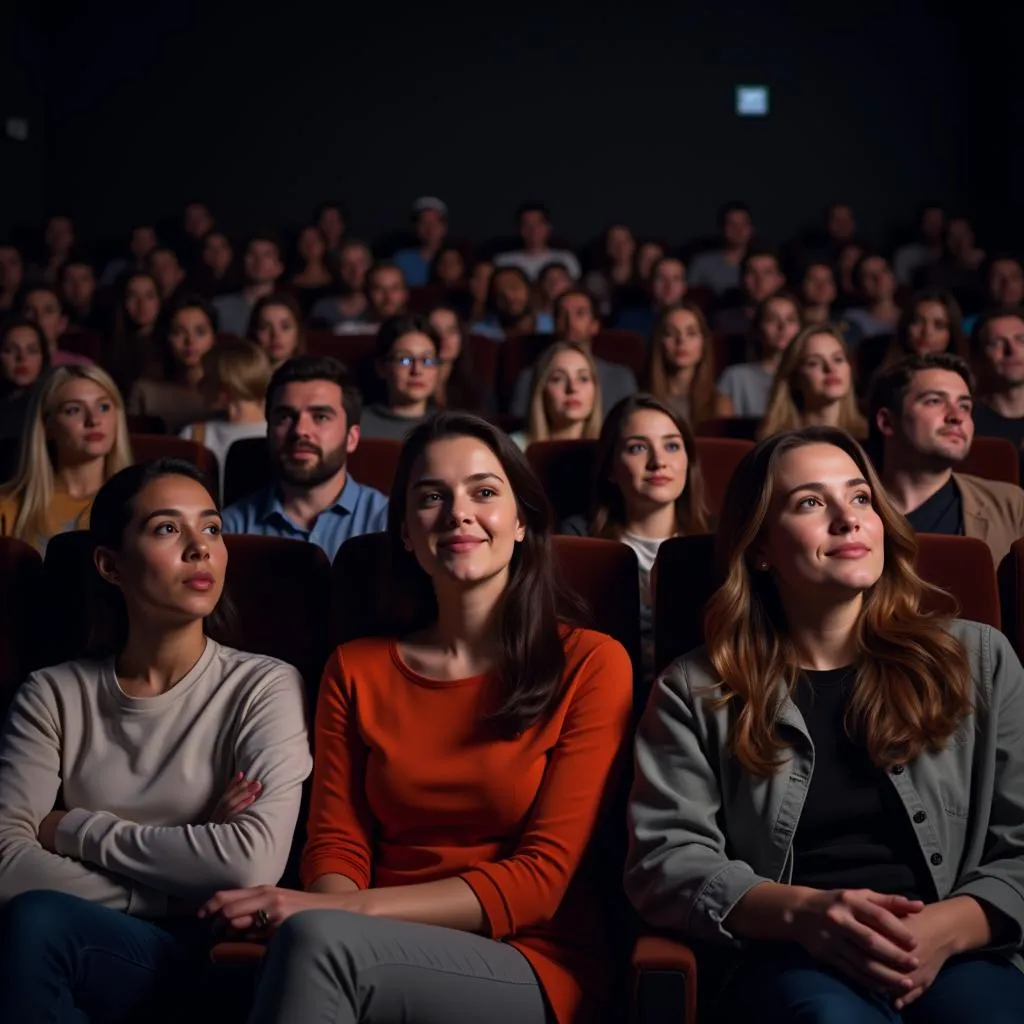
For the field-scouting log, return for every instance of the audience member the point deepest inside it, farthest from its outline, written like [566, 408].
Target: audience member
[818, 296]
[216, 273]
[681, 363]
[912, 260]
[648, 252]
[197, 222]
[554, 280]
[75, 439]
[997, 351]
[58, 240]
[141, 242]
[512, 311]
[921, 423]
[565, 401]
[174, 393]
[576, 320]
[761, 277]
[406, 360]
[476, 740]
[313, 280]
[176, 765]
[535, 232]
[235, 378]
[386, 296]
[813, 386]
[448, 271]
[959, 269]
[832, 727]
[77, 288]
[719, 269]
[648, 487]
[313, 415]
[614, 272]
[24, 362]
[165, 266]
[12, 277]
[349, 306]
[276, 326]
[262, 267]
[457, 384]
[1004, 285]
[331, 220]
[876, 284]
[667, 287]
[430, 222]
[44, 306]
[743, 388]
[479, 287]
[132, 351]
[847, 260]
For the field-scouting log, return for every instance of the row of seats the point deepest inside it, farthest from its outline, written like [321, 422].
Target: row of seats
[295, 606]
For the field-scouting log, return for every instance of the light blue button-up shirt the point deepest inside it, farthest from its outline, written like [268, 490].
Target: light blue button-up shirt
[358, 509]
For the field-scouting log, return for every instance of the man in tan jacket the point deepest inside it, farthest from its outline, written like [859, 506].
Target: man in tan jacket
[921, 420]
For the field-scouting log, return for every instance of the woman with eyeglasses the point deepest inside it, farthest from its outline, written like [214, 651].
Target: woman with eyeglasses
[407, 361]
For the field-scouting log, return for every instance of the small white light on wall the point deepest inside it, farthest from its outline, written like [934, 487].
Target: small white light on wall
[751, 100]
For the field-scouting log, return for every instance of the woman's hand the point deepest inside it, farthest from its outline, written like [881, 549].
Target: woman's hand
[48, 830]
[240, 908]
[865, 934]
[239, 795]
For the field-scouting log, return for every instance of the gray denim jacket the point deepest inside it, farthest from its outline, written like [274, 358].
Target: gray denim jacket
[704, 831]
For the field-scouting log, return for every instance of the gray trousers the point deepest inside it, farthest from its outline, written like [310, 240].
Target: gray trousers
[334, 967]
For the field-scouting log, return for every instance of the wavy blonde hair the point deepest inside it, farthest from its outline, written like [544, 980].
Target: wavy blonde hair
[33, 485]
[913, 685]
[786, 402]
[656, 373]
[537, 426]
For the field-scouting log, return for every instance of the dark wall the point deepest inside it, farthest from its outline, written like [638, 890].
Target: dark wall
[611, 114]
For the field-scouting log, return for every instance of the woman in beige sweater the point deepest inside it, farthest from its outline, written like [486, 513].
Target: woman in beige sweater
[134, 786]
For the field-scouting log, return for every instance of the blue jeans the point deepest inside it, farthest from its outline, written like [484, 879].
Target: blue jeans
[787, 986]
[64, 960]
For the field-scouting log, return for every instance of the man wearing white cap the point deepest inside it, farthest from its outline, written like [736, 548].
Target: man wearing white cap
[430, 221]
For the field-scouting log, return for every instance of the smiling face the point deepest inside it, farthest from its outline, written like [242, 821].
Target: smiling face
[823, 375]
[172, 561]
[651, 465]
[462, 521]
[821, 534]
[21, 356]
[83, 423]
[935, 426]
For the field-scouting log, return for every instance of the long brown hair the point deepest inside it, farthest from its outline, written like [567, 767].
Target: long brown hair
[913, 684]
[536, 606]
[608, 514]
[786, 403]
[657, 374]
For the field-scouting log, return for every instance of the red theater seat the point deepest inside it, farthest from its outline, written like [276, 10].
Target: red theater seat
[163, 446]
[719, 457]
[993, 458]
[23, 618]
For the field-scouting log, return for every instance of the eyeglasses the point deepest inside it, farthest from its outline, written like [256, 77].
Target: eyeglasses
[427, 362]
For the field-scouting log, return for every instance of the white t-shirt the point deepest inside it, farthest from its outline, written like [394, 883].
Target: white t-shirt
[532, 263]
[219, 436]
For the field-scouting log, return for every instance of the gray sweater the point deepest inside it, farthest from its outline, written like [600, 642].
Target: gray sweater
[704, 831]
[140, 778]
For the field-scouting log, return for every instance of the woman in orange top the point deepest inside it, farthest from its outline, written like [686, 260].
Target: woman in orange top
[462, 762]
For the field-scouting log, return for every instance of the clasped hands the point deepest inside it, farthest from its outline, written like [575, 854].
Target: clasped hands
[889, 944]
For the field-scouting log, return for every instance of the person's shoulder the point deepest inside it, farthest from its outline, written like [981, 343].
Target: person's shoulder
[574, 526]
[600, 653]
[55, 684]
[999, 490]
[238, 513]
[250, 671]
[368, 657]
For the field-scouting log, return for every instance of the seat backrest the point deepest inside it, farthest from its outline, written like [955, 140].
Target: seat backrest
[743, 428]
[603, 572]
[627, 348]
[139, 424]
[21, 612]
[514, 356]
[566, 469]
[375, 462]
[1011, 594]
[993, 458]
[163, 446]
[280, 590]
[483, 353]
[686, 576]
[719, 457]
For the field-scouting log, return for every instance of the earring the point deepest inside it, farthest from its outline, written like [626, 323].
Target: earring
[762, 565]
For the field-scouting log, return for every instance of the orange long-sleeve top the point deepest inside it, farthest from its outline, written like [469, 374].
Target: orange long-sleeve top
[410, 786]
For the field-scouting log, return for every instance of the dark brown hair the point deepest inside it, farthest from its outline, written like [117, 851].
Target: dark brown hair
[656, 375]
[537, 605]
[608, 513]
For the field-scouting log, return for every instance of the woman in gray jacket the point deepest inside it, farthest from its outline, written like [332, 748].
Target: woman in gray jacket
[829, 797]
